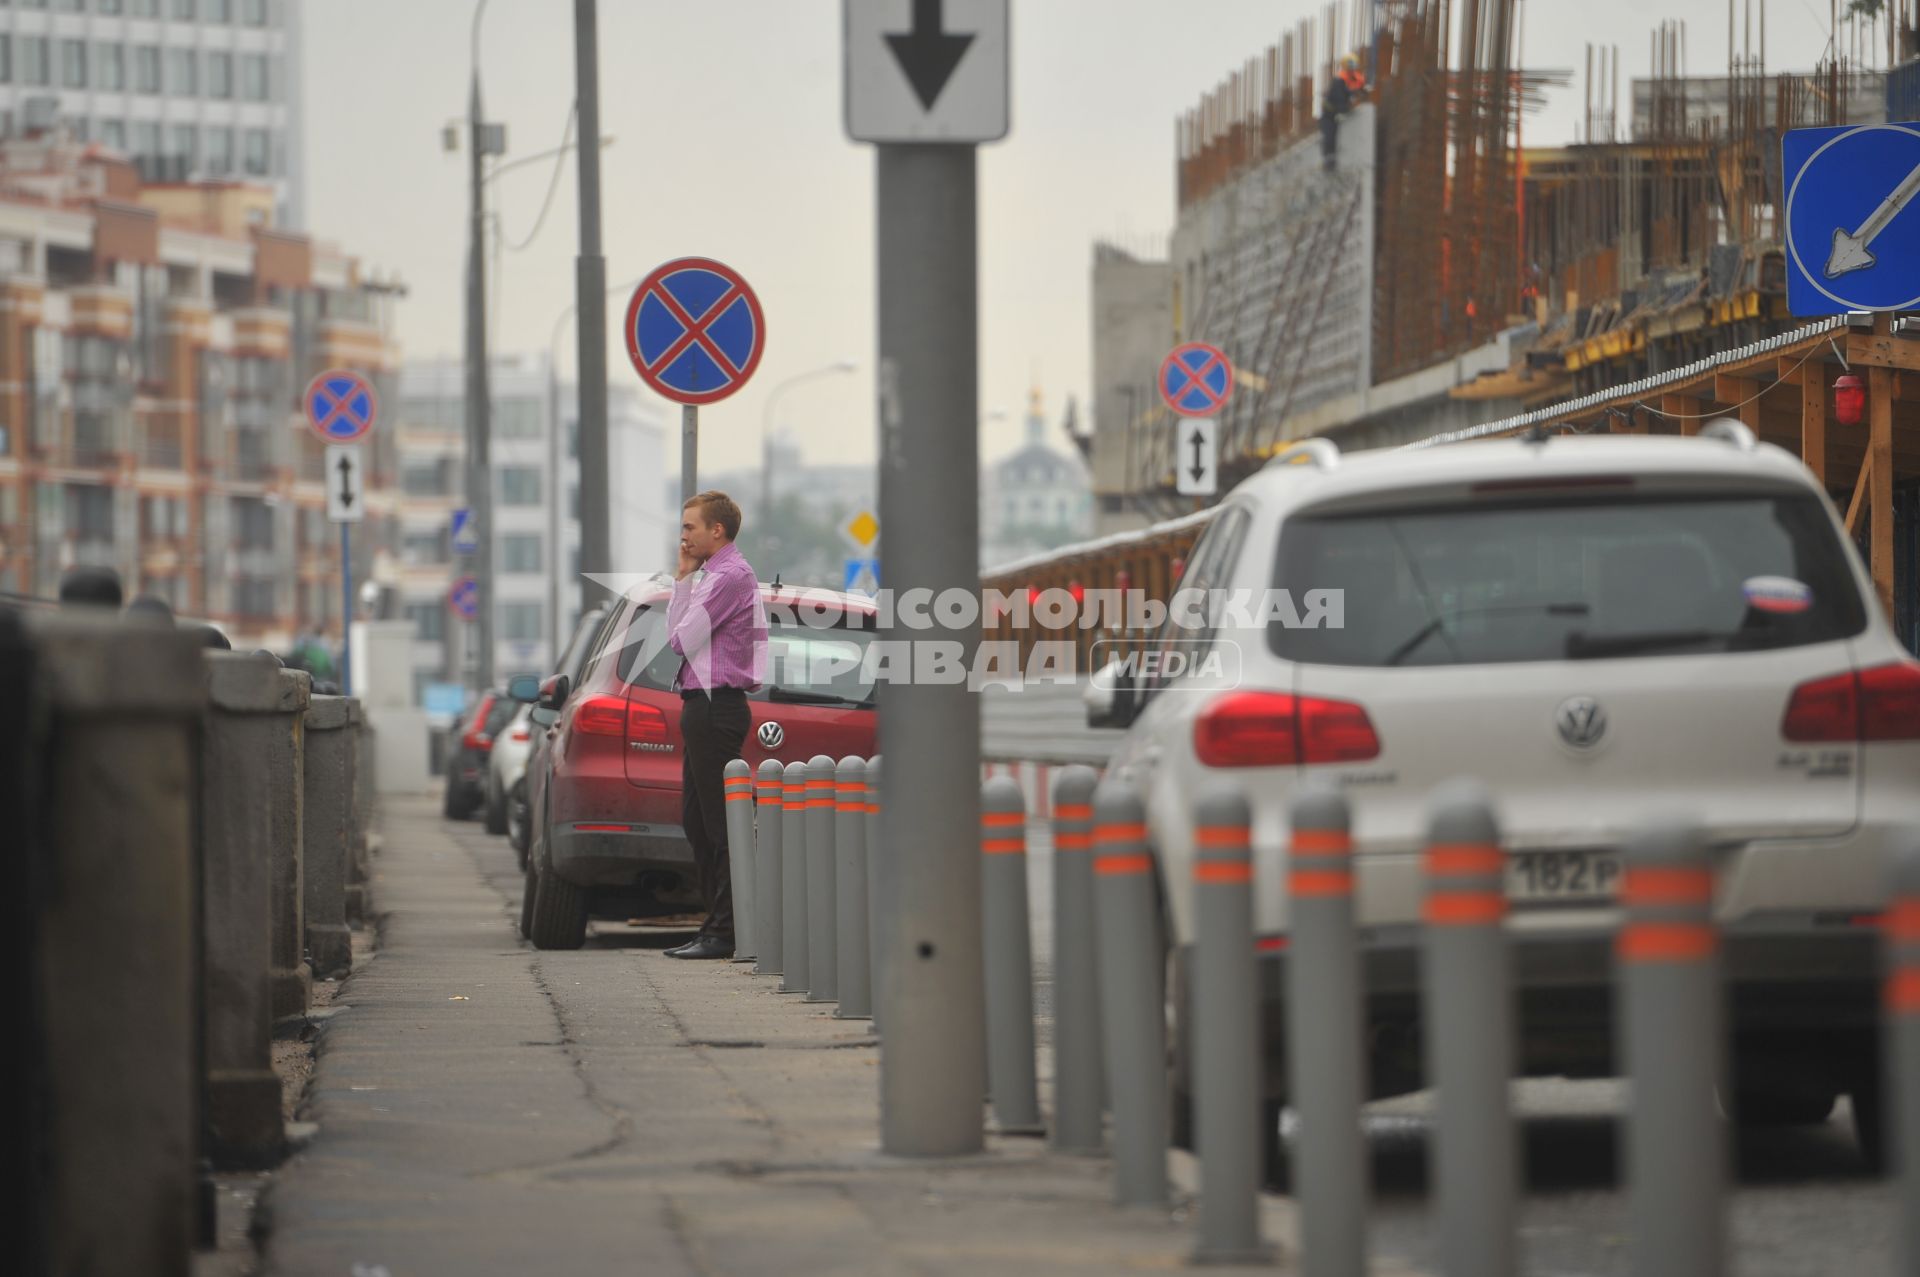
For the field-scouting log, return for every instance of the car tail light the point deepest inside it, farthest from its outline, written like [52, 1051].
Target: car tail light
[1878, 704]
[601, 716]
[1274, 729]
[521, 733]
[646, 724]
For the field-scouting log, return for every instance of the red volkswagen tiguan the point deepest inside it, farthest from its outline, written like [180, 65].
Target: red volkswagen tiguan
[604, 809]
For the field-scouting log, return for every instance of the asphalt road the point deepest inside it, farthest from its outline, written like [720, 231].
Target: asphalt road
[1802, 1205]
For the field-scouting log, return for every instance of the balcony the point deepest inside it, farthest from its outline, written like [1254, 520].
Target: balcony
[161, 450]
[250, 455]
[97, 441]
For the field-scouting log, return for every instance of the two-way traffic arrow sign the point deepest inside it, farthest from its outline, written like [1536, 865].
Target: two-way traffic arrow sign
[346, 483]
[927, 70]
[1199, 458]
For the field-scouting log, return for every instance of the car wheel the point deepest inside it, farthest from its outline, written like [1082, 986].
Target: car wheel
[1783, 1108]
[517, 820]
[450, 804]
[496, 811]
[529, 888]
[1870, 1120]
[559, 914]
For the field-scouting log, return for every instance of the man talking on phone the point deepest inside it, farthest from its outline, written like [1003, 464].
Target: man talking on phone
[719, 628]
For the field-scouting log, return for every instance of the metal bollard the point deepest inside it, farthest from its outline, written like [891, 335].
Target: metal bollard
[1132, 1000]
[1900, 1081]
[875, 865]
[793, 879]
[1668, 967]
[286, 749]
[1469, 1022]
[1077, 1084]
[853, 965]
[767, 893]
[823, 984]
[1226, 1038]
[1011, 1080]
[737, 778]
[1327, 1068]
[327, 833]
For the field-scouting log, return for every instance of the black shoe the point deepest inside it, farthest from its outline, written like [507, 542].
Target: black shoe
[704, 948]
[686, 944]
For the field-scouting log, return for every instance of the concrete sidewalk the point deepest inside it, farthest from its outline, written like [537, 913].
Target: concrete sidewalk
[485, 1108]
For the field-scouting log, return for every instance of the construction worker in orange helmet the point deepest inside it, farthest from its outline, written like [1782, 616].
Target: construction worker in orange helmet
[1343, 90]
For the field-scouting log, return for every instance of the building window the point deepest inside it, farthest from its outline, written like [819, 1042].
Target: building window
[219, 10]
[6, 59]
[219, 74]
[183, 72]
[114, 134]
[516, 419]
[219, 151]
[185, 10]
[33, 60]
[146, 69]
[73, 64]
[258, 155]
[427, 477]
[110, 66]
[71, 6]
[253, 77]
[146, 137]
[429, 621]
[520, 622]
[146, 8]
[109, 6]
[520, 552]
[185, 144]
[520, 485]
[419, 549]
[253, 12]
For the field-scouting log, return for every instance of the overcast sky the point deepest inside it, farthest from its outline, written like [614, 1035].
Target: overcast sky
[727, 120]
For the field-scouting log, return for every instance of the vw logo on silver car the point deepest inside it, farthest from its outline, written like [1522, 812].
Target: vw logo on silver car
[1581, 721]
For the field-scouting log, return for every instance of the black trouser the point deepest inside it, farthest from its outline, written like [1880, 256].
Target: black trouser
[712, 730]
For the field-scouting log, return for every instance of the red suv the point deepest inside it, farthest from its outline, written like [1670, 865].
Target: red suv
[604, 805]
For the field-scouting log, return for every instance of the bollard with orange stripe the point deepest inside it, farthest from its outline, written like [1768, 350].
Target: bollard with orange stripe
[876, 865]
[823, 983]
[1132, 1000]
[767, 928]
[1325, 1063]
[1077, 1080]
[1667, 965]
[737, 781]
[1467, 1017]
[1226, 1034]
[1011, 1081]
[1900, 1080]
[793, 879]
[851, 946]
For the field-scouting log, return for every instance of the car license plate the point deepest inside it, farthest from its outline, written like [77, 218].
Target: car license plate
[1557, 876]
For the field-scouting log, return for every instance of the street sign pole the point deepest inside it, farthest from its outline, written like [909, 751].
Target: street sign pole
[590, 297]
[346, 610]
[689, 455]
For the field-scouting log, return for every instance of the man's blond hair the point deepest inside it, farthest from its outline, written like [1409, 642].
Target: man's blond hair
[717, 507]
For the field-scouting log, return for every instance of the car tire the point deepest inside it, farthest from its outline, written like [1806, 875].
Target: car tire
[559, 913]
[517, 821]
[1783, 1108]
[1870, 1120]
[450, 805]
[496, 812]
[529, 889]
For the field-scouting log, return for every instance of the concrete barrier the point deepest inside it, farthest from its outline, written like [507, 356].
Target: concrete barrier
[1078, 1077]
[1011, 1075]
[286, 753]
[250, 705]
[1132, 994]
[360, 848]
[328, 832]
[115, 955]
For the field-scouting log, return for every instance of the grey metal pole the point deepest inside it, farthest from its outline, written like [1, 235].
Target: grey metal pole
[689, 453]
[1324, 1056]
[738, 780]
[793, 879]
[1900, 1082]
[769, 941]
[1669, 972]
[932, 1058]
[1469, 1028]
[1077, 1125]
[823, 982]
[852, 966]
[876, 864]
[1132, 997]
[590, 297]
[478, 394]
[1226, 1037]
[1011, 1075]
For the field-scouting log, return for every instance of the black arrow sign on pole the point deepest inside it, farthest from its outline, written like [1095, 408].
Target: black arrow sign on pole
[928, 54]
[1199, 470]
[346, 482]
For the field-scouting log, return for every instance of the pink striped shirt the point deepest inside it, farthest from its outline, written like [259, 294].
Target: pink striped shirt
[719, 626]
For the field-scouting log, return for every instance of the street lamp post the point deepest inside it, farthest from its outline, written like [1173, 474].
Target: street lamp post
[766, 423]
[478, 402]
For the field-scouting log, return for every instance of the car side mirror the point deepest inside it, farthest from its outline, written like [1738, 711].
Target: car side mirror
[1109, 696]
[541, 716]
[524, 688]
[553, 692]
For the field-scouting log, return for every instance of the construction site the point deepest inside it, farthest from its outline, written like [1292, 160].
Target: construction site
[1438, 280]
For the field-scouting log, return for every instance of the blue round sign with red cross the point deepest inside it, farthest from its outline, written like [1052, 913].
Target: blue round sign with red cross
[695, 331]
[1196, 379]
[341, 405]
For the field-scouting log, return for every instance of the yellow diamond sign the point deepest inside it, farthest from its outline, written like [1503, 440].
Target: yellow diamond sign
[863, 528]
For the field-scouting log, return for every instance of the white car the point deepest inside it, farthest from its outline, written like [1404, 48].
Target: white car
[506, 765]
[1601, 630]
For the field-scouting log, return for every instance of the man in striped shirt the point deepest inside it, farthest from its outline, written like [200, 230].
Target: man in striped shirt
[719, 627]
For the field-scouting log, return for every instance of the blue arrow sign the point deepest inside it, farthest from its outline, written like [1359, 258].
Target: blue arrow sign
[464, 598]
[863, 576]
[466, 536]
[1853, 235]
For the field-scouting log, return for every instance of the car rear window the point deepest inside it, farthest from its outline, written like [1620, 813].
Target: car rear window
[1567, 579]
[805, 664]
[499, 714]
